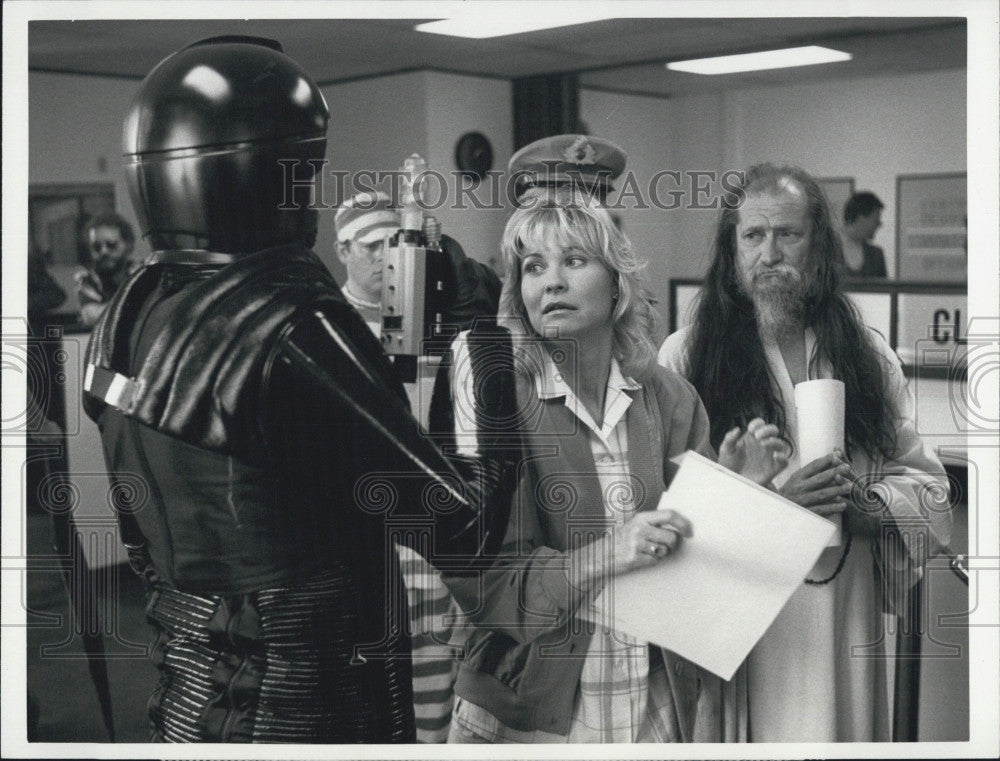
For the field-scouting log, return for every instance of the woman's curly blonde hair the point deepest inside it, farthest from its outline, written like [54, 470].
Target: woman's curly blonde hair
[579, 221]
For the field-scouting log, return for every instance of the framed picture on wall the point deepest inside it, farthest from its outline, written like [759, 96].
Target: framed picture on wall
[838, 190]
[931, 228]
[57, 215]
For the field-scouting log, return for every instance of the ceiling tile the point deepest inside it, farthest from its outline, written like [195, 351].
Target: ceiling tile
[625, 54]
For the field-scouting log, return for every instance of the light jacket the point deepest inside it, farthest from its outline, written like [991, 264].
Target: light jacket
[525, 655]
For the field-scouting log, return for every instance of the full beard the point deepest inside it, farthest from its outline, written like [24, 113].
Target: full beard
[109, 266]
[778, 297]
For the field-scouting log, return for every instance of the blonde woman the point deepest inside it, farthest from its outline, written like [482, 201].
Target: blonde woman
[600, 423]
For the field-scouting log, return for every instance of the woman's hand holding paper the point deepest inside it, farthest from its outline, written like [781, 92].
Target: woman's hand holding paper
[643, 541]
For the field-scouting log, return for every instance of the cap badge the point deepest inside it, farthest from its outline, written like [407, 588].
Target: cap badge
[580, 152]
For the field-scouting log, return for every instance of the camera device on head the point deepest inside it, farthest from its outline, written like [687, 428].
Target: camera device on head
[416, 278]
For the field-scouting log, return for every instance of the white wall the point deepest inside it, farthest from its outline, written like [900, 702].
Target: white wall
[76, 131]
[377, 123]
[374, 125]
[641, 127]
[76, 121]
[76, 128]
[872, 129]
[75, 136]
[700, 146]
[456, 105]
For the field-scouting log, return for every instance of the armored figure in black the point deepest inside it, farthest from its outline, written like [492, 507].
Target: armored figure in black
[259, 444]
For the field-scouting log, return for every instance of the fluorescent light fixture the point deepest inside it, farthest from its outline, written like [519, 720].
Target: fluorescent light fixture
[766, 59]
[480, 25]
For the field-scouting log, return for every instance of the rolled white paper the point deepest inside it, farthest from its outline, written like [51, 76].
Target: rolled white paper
[819, 408]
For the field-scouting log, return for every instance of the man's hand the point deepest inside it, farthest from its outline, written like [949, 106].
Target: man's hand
[864, 517]
[757, 453]
[822, 485]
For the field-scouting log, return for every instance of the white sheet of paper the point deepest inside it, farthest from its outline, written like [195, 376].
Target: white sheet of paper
[713, 599]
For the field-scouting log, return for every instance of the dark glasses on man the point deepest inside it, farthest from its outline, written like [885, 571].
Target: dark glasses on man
[105, 245]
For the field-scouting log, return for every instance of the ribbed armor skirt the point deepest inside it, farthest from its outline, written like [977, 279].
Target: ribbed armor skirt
[275, 666]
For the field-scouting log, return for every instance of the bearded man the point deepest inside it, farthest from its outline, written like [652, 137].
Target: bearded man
[772, 314]
[110, 241]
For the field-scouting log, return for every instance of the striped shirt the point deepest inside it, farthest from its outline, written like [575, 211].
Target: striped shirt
[436, 636]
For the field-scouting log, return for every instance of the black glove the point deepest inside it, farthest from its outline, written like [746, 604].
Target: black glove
[490, 476]
[493, 376]
[475, 287]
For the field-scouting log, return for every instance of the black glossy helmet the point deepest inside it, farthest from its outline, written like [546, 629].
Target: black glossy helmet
[217, 148]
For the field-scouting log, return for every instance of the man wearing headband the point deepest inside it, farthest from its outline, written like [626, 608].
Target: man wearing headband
[363, 223]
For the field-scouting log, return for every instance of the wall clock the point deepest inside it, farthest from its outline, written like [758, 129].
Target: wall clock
[474, 155]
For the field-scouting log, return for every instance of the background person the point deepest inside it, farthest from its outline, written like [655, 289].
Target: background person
[862, 217]
[46, 410]
[601, 423]
[110, 241]
[363, 223]
[44, 295]
[772, 314]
